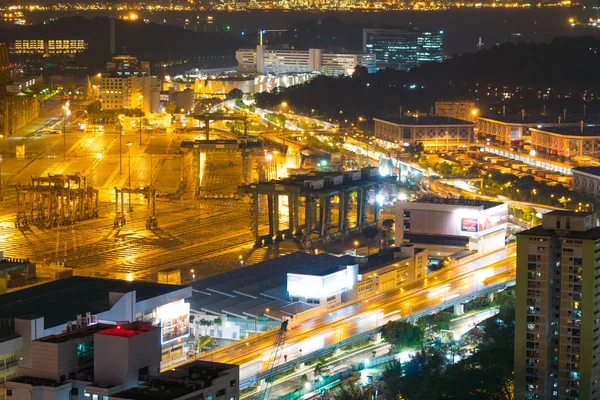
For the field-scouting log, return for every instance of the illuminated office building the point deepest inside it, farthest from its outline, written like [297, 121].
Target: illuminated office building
[51, 47]
[280, 61]
[557, 335]
[403, 48]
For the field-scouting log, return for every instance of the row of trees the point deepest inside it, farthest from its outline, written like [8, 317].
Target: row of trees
[430, 374]
[370, 95]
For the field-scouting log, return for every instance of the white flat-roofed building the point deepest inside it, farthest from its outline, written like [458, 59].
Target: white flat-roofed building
[276, 61]
[439, 133]
[587, 180]
[483, 223]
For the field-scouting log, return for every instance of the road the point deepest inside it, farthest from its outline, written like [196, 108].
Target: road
[310, 332]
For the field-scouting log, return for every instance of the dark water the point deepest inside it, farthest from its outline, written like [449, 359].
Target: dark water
[462, 27]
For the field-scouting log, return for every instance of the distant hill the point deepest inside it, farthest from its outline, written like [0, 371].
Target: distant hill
[153, 42]
[564, 61]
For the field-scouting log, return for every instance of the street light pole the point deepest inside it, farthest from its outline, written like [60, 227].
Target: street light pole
[120, 133]
[140, 130]
[129, 173]
[1, 178]
[67, 112]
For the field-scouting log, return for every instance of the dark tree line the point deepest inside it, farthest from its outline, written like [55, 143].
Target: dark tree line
[566, 62]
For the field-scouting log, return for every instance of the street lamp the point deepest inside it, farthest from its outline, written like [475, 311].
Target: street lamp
[1, 177]
[66, 114]
[120, 144]
[129, 173]
[141, 97]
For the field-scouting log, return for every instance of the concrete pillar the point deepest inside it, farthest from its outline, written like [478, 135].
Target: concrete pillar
[294, 215]
[377, 337]
[271, 218]
[361, 207]
[309, 214]
[291, 213]
[491, 296]
[375, 208]
[254, 222]
[324, 215]
[278, 236]
[342, 213]
[459, 309]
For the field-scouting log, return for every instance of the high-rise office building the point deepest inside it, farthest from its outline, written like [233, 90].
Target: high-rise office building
[403, 48]
[557, 332]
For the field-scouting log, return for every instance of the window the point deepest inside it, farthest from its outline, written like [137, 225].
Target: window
[94, 397]
[75, 391]
[221, 392]
[8, 392]
[232, 383]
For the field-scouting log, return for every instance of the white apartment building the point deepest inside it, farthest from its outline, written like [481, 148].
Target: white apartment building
[280, 61]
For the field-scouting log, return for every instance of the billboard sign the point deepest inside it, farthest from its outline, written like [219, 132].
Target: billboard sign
[469, 225]
[174, 321]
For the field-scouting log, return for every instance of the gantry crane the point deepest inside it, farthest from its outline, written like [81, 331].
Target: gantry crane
[207, 117]
[149, 193]
[275, 354]
[55, 200]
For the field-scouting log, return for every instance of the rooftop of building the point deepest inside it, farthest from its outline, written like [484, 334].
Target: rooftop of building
[587, 131]
[35, 381]
[425, 121]
[62, 300]
[486, 204]
[246, 291]
[543, 119]
[128, 330]
[588, 170]
[179, 382]
[590, 234]
[381, 259]
[75, 333]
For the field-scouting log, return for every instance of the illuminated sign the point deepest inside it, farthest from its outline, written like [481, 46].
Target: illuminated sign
[174, 321]
[468, 225]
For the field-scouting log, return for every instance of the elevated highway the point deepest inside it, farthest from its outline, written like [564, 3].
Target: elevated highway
[316, 332]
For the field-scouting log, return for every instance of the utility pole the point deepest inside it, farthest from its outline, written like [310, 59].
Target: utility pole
[1, 178]
[129, 173]
[140, 130]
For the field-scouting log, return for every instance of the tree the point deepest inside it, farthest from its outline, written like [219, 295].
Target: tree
[350, 391]
[393, 379]
[388, 224]
[234, 94]
[94, 108]
[218, 321]
[171, 108]
[320, 369]
[403, 335]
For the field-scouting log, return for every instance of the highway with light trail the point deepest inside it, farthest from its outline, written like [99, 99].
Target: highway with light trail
[313, 331]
